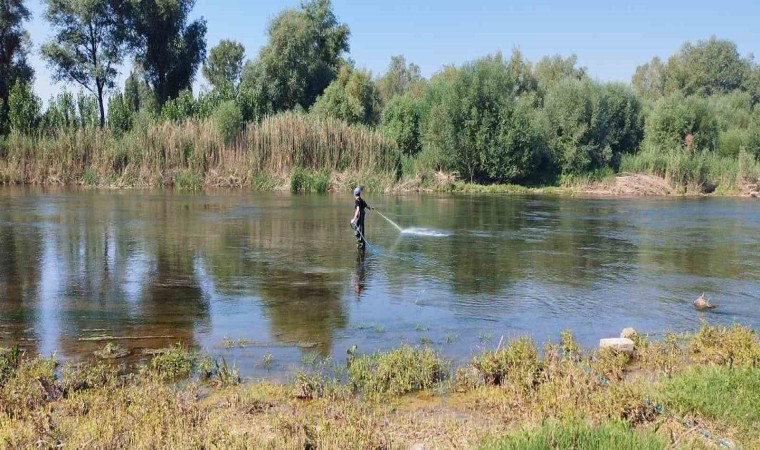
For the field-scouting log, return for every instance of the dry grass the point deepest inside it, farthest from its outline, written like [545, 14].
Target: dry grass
[193, 154]
[694, 391]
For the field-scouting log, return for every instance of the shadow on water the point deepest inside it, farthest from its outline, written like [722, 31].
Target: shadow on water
[151, 269]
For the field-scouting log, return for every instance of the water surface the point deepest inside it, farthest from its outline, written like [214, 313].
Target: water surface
[156, 268]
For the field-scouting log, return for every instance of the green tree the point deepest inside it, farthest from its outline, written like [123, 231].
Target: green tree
[302, 56]
[352, 97]
[168, 49]
[24, 107]
[61, 113]
[138, 95]
[399, 77]
[119, 114]
[224, 65]
[550, 70]
[88, 45]
[14, 47]
[589, 125]
[402, 120]
[682, 122]
[481, 120]
[649, 79]
[228, 120]
[709, 67]
[180, 108]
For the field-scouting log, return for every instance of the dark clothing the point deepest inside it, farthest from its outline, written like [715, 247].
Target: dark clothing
[362, 205]
[359, 227]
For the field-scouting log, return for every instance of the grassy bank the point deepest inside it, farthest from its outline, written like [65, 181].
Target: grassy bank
[684, 391]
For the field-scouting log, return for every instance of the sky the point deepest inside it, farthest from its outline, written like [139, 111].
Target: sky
[609, 38]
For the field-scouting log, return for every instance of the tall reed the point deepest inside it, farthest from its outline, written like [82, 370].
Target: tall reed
[154, 154]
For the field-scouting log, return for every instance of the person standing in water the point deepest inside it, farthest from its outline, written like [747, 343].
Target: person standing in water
[357, 223]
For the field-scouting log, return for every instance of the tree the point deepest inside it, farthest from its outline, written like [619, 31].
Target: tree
[14, 47]
[709, 67]
[649, 79]
[550, 70]
[302, 57]
[119, 114]
[402, 120]
[398, 78]
[168, 49]
[88, 45]
[682, 122]
[24, 107]
[224, 65]
[352, 97]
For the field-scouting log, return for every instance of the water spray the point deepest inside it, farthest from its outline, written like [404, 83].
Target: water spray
[400, 230]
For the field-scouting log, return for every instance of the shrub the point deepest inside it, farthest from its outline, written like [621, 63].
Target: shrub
[23, 108]
[402, 370]
[228, 121]
[119, 115]
[682, 122]
[174, 363]
[518, 363]
[180, 108]
[402, 120]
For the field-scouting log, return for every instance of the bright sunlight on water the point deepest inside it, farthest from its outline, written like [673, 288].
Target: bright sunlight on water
[281, 274]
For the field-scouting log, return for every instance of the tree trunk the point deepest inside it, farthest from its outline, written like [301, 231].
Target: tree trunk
[100, 104]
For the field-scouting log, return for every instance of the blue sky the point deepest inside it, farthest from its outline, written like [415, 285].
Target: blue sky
[610, 38]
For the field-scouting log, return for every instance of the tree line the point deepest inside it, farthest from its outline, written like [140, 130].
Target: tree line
[496, 119]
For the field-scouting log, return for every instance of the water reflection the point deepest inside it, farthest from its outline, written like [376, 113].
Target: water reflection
[153, 269]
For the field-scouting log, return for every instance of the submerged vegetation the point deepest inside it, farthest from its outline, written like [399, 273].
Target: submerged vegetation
[696, 390]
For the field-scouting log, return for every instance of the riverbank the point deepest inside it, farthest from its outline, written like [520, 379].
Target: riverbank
[683, 391]
[304, 153]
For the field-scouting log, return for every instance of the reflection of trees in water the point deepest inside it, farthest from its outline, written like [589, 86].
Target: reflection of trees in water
[20, 250]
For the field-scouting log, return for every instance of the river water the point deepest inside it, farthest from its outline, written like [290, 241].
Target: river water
[148, 269]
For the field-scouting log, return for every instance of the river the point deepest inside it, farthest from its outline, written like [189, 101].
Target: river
[281, 272]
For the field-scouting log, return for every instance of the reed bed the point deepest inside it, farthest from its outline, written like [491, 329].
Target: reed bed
[196, 154]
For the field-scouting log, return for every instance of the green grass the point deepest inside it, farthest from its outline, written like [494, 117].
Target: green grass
[578, 435]
[730, 395]
[404, 369]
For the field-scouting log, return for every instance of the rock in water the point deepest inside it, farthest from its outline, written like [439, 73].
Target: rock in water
[628, 333]
[622, 345]
[701, 303]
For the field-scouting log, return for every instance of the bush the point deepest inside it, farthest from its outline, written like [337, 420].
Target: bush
[119, 115]
[402, 370]
[23, 108]
[180, 108]
[518, 363]
[402, 120]
[228, 121]
[682, 122]
[174, 363]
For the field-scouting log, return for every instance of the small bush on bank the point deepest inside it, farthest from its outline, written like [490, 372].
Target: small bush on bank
[402, 370]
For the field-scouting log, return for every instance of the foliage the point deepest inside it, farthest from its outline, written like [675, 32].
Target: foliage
[576, 434]
[550, 70]
[649, 79]
[590, 125]
[173, 363]
[224, 65]
[167, 47]
[708, 67]
[88, 45]
[685, 122]
[23, 108]
[180, 108]
[405, 369]
[729, 394]
[351, 97]
[14, 48]
[402, 120]
[517, 363]
[228, 120]
[399, 78]
[119, 114]
[302, 56]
